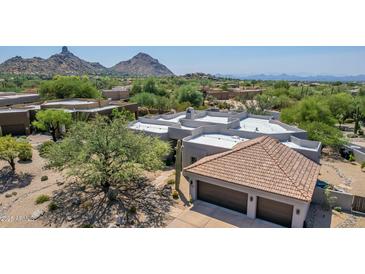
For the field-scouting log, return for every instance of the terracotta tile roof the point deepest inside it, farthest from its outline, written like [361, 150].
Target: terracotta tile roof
[265, 164]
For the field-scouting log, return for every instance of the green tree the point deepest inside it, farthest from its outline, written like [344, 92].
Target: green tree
[136, 88]
[309, 109]
[11, 148]
[63, 87]
[281, 84]
[51, 120]
[105, 154]
[145, 99]
[358, 111]
[189, 93]
[324, 133]
[340, 106]
[150, 86]
[123, 114]
[224, 86]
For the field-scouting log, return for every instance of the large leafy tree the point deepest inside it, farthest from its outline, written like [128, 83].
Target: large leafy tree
[12, 148]
[358, 111]
[61, 87]
[105, 154]
[340, 105]
[190, 94]
[327, 135]
[51, 120]
[310, 109]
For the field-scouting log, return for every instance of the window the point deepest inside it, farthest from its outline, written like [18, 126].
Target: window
[193, 160]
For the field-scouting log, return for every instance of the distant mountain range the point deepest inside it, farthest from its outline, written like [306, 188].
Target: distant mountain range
[66, 63]
[288, 77]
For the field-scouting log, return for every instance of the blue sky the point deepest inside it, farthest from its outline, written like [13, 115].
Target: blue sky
[224, 60]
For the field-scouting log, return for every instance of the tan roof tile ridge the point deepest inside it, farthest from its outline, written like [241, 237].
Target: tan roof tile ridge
[281, 168]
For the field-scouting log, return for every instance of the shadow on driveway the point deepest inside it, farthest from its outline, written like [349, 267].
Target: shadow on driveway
[10, 180]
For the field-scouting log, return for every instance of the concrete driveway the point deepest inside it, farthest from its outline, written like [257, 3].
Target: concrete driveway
[205, 215]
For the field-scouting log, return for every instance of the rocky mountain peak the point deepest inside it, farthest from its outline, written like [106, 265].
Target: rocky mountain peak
[65, 50]
[142, 64]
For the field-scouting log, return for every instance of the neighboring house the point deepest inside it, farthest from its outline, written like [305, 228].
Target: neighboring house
[117, 93]
[233, 93]
[260, 177]
[13, 98]
[16, 120]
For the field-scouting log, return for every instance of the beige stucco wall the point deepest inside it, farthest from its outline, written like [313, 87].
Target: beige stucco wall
[297, 219]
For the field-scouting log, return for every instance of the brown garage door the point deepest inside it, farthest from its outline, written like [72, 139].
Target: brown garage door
[274, 211]
[222, 196]
[13, 129]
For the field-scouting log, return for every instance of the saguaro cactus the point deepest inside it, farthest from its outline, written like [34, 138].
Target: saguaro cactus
[178, 164]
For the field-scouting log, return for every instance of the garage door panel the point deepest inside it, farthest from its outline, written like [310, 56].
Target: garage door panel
[222, 196]
[13, 129]
[274, 211]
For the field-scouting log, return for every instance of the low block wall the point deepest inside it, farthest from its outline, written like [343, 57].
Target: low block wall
[344, 200]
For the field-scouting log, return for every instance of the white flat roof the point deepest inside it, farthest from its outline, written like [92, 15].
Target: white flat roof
[150, 127]
[174, 120]
[217, 140]
[69, 102]
[13, 96]
[98, 108]
[293, 145]
[13, 110]
[189, 128]
[213, 119]
[261, 125]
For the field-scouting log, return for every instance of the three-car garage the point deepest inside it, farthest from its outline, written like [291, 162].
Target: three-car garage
[261, 178]
[266, 209]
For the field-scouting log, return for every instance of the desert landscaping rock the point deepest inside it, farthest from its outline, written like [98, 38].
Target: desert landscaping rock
[60, 183]
[38, 213]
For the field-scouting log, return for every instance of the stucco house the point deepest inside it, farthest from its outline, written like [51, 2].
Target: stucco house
[262, 178]
[17, 119]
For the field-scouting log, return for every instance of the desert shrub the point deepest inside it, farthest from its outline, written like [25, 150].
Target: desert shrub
[44, 148]
[363, 165]
[25, 151]
[86, 226]
[44, 178]
[171, 182]
[352, 158]
[52, 206]
[14, 193]
[182, 106]
[133, 210]
[42, 199]
[175, 195]
[8, 195]
[338, 208]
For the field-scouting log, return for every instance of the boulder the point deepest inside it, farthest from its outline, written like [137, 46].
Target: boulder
[36, 214]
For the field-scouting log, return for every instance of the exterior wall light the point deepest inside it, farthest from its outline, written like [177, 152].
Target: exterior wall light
[297, 211]
[251, 198]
